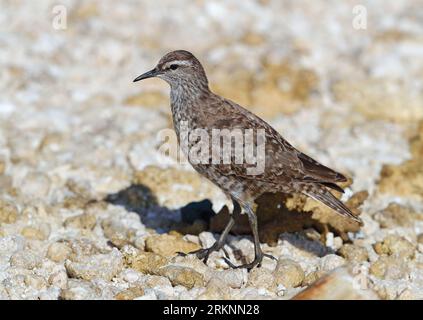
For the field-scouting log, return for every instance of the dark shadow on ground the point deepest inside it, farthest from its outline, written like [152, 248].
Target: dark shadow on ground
[275, 220]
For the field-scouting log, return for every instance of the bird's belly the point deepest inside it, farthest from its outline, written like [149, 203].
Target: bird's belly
[236, 186]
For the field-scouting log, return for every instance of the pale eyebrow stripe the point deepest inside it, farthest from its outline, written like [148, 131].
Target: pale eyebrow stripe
[178, 62]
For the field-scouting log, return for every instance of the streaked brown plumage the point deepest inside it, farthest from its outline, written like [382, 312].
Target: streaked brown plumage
[287, 170]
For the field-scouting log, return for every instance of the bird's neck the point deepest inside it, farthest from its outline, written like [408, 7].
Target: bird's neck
[187, 94]
[187, 100]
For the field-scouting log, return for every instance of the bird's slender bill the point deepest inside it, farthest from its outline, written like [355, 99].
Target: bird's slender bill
[148, 74]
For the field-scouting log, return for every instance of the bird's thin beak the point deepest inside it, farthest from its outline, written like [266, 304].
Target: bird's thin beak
[148, 74]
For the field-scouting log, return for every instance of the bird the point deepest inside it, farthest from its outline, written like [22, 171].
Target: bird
[286, 170]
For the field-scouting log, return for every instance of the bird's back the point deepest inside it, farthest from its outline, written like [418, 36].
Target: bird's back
[282, 160]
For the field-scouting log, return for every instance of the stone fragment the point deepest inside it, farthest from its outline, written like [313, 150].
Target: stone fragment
[58, 279]
[394, 245]
[169, 245]
[35, 233]
[233, 278]
[80, 290]
[389, 268]
[26, 259]
[8, 212]
[330, 262]
[146, 262]
[35, 281]
[58, 252]
[130, 293]
[102, 266]
[353, 253]
[397, 215]
[117, 233]
[184, 276]
[82, 221]
[406, 179]
[288, 273]
[216, 289]
[262, 278]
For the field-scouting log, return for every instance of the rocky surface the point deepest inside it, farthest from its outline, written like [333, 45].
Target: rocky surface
[90, 208]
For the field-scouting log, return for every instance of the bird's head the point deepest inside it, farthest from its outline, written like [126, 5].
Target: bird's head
[178, 68]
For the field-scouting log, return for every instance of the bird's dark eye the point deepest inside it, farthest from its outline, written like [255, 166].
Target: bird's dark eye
[173, 66]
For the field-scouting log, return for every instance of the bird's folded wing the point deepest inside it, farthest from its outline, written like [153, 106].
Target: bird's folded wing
[281, 160]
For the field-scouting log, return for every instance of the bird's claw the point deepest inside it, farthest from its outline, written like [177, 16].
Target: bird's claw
[256, 262]
[202, 254]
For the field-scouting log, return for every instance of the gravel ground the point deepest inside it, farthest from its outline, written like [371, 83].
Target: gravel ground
[91, 209]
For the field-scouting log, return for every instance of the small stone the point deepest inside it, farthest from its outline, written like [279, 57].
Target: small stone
[26, 259]
[146, 262]
[397, 215]
[82, 247]
[153, 281]
[33, 233]
[130, 293]
[35, 281]
[420, 238]
[58, 279]
[8, 212]
[234, 278]
[396, 246]
[312, 277]
[83, 221]
[206, 239]
[354, 253]
[79, 290]
[216, 289]
[330, 262]
[130, 275]
[169, 245]
[288, 273]
[262, 278]
[184, 276]
[117, 233]
[389, 268]
[103, 266]
[58, 252]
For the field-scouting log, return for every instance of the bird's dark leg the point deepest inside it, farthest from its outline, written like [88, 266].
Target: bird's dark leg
[205, 253]
[258, 253]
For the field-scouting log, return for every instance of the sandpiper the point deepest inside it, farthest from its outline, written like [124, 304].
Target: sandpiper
[286, 169]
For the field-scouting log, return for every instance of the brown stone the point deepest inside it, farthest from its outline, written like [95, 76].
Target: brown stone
[8, 212]
[389, 268]
[130, 293]
[406, 179]
[183, 276]
[354, 253]
[168, 245]
[397, 215]
[146, 262]
[82, 221]
[393, 245]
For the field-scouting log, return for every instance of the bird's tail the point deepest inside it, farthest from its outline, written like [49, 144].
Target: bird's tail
[323, 195]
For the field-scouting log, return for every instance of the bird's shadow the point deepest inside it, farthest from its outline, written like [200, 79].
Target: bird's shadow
[140, 199]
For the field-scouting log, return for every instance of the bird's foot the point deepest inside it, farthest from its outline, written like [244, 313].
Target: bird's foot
[203, 254]
[256, 262]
